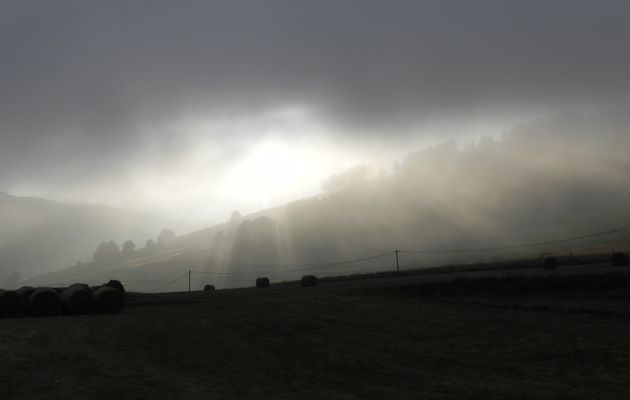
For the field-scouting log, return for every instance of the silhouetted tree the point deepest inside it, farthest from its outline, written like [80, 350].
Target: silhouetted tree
[256, 240]
[347, 178]
[107, 253]
[235, 220]
[150, 246]
[128, 249]
[219, 239]
[165, 237]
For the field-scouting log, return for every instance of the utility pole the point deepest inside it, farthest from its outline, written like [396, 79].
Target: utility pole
[397, 265]
[189, 280]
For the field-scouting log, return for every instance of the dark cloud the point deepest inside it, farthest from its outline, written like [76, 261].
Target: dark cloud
[84, 85]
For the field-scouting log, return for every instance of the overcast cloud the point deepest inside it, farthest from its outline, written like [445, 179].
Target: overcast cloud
[98, 98]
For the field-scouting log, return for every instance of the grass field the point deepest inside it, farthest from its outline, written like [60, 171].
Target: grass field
[470, 339]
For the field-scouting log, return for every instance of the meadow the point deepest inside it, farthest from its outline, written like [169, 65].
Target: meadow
[550, 334]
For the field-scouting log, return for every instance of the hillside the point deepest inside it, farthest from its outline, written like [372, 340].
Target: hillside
[532, 185]
[149, 268]
[39, 236]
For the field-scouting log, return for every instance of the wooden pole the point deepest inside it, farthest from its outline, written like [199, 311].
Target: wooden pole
[189, 280]
[397, 265]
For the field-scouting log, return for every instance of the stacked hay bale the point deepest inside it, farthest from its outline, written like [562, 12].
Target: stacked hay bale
[208, 288]
[108, 300]
[619, 260]
[309, 281]
[11, 304]
[550, 263]
[115, 284]
[262, 282]
[77, 300]
[26, 292]
[44, 302]
[85, 285]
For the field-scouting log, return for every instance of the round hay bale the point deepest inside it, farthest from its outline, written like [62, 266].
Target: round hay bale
[26, 292]
[77, 300]
[262, 282]
[44, 302]
[108, 300]
[113, 283]
[11, 304]
[85, 285]
[550, 263]
[208, 288]
[309, 281]
[619, 260]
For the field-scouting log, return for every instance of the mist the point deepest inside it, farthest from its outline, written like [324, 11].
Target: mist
[550, 179]
[484, 121]
[357, 199]
[156, 109]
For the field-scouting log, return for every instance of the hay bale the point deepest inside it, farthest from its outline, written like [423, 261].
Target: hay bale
[11, 304]
[26, 292]
[85, 285]
[77, 300]
[619, 260]
[262, 282]
[309, 281]
[550, 263]
[108, 300]
[208, 288]
[44, 302]
[113, 283]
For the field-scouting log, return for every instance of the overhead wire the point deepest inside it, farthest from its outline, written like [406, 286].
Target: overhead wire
[314, 265]
[514, 247]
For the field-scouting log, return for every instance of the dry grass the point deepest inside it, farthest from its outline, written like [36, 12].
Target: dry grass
[321, 343]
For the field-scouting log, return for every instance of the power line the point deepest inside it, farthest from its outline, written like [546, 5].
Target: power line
[171, 283]
[309, 266]
[312, 266]
[336, 263]
[305, 264]
[522, 246]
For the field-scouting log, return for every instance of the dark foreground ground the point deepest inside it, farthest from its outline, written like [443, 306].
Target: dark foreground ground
[554, 336]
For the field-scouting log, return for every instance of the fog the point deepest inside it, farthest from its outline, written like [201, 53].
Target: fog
[547, 180]
[190, 112]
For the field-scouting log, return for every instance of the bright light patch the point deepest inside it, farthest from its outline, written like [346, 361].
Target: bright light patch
[275, 171]
[206, 168]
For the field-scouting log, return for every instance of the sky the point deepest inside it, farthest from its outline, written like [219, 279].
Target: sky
[192, 109]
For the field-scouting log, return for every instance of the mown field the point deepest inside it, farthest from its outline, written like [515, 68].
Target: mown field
[548, 336]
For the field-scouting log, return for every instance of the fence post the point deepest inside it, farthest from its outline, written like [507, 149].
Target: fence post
[397, 265]
[189, 280]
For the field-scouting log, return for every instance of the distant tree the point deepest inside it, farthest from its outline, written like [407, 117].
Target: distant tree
[219, 238]
[347, 178]
[166, 236]
[107, 253]
[256, 240]
[150, 246]
[486, 141]
[235, 220]
[128, 249]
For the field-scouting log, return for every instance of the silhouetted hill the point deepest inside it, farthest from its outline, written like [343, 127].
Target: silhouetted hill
[38, 236]
[547, 180]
